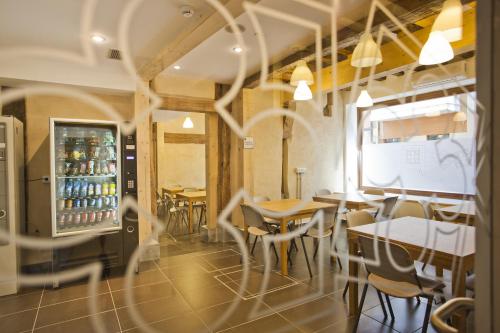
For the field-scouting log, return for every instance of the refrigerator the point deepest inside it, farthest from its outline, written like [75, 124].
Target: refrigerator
[85, 166]
[12, 210]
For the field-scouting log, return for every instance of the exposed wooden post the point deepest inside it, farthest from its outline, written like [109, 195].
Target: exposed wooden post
[212, 172]
[144, 162]
[236, 154]
[224, 176]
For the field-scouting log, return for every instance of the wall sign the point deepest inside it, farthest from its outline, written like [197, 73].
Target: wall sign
[248, 143]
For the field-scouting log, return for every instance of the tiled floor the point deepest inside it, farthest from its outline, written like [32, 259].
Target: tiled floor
[192, 289]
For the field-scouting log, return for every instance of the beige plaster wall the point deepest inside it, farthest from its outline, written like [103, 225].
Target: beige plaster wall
[262, 164]
[176, 85]
[182, 164]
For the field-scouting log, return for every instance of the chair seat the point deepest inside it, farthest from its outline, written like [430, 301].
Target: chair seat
[256, 231]
[314, 233]
[404, 289]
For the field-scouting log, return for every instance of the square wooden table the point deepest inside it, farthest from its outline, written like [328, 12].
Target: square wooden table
[173, 190]
[353, 200]
[293, 213]
[411, 233]
[465, 212]
[191, 198]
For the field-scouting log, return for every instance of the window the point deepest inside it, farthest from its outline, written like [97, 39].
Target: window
[426, 145]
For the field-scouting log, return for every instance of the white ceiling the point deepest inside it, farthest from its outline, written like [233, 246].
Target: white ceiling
[56, 24]
[214, 59]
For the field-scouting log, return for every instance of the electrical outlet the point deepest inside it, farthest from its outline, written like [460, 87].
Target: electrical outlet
[300, 171]
[46, 179]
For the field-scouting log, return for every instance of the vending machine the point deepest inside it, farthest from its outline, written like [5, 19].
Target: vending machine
[85, 176]
[12, 211]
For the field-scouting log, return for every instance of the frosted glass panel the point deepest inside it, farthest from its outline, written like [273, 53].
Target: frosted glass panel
[427, 152]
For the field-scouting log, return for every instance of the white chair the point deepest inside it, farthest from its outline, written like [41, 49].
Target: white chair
[256, 226]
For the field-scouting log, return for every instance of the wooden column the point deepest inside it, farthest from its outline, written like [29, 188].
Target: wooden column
[212, 172]
[144, 162]
[224, 132]
[236, 155]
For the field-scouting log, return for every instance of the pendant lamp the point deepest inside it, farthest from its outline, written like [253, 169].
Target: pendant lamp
[301, 73]
[364, 100]
[188, 123]
[366, 53]
[450, 20]
[302, 92]
[460, 116]
[436, 50]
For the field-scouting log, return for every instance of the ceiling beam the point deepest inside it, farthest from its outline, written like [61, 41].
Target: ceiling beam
[189, 39]
[186, 104]
[395, 59]
[348, 36]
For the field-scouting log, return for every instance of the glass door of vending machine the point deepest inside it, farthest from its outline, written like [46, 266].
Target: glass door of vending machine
[85, 176]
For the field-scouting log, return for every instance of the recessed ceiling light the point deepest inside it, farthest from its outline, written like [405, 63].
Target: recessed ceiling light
[177, 67]
[98, 38]
[237, 49]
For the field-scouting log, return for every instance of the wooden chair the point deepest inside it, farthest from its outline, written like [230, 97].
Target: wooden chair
[374, 191]
[329, 215]
[393, 281]
[410, 208]
[256, 226]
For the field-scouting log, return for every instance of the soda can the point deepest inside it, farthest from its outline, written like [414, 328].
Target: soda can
[99, 216]
[105, 188]
[84, 218]
[98, 188]
[107, 201]
[107, 214]
[60, 204]
[113, 214]
[76, 203]
[69, 218]
[99, 203]
[60, 220]
[84, 203]
[92, 202]
[77, 218]
[114, 202]
[69, 203]
[92, 217]
[90, 167]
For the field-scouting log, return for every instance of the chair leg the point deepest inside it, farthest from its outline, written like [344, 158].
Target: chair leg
[360, 308]
[379, 294]
[346, 288]
[427, 313]
[316, 247]
[275, 252]
[305, 255]
[389, 305]
[248, 237]
[254, 243]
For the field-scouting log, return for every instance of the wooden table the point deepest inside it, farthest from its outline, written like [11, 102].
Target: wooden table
[173, 190]
[289, 206]
[410, 232]
[352, 200]
[434, 200]
[191, 198]
[465, 213]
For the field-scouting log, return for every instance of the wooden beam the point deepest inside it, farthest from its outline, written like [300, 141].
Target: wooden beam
[395, 58]
[212, 173]
[349, 35]
[190, 38]
[224, 132]
[237, 165]
[187, 104]
[184, 138]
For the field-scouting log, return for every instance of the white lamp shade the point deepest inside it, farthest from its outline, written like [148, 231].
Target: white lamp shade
[364, 100]
[188, 123]
[460, 116]
[301, 73]
[436, 50]
[366, 53]
[302, 92]
[450, 20]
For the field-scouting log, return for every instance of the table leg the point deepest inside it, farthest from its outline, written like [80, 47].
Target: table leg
[353, 273]
[439, 271]
[284, 249]
[190, 216]
[458, 290]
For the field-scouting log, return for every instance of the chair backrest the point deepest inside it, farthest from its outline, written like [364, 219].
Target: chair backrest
[323, 191]
[384, 267]
[389, 204]
[410, 208]
[252, 217]
[375, 191]
[329, 215]
[357, 218]
[261, 199]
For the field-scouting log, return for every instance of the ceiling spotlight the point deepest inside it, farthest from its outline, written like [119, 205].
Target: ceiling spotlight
[98, 38]
[187, 11]
[237, 49]
[177, 67]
